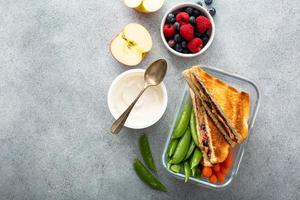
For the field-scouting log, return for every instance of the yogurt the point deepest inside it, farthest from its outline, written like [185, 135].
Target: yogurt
[148, 109]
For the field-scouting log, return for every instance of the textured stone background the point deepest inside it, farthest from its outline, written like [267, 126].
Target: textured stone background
[55, 70]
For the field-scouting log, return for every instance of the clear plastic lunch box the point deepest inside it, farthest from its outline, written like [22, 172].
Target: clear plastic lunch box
[240, 83]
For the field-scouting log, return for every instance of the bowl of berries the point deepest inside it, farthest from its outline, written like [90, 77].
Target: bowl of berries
[187, 29]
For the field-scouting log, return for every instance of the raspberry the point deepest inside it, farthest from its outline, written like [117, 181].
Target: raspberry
[203, 24]
[195, 45]
[182, 18]
[168, 30]
[187, 32]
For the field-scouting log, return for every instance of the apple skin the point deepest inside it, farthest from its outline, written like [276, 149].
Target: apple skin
[141, 8]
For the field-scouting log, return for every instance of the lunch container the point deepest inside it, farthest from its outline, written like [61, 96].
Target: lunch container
[240, 83]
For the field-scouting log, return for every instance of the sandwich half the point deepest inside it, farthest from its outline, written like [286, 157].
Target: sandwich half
[228, 108]
[211, 142]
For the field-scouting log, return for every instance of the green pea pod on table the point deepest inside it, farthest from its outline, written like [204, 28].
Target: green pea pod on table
[182, 148]
[187, 171]
[193, 127]
[146, 152]
[145, 175]
[176, 168]
[191, 150]
[195, 160]
[172, 147]
[183, 121]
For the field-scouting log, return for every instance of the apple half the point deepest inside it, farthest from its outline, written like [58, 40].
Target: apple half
[145, 6]
[131, 45]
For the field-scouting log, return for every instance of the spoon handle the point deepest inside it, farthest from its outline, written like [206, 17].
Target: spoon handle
[119, 123]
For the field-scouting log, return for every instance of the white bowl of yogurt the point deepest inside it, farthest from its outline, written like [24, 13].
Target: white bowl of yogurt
[148, 109]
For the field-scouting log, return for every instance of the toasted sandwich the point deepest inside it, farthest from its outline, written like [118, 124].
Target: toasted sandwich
[211, 142]
[228, 108]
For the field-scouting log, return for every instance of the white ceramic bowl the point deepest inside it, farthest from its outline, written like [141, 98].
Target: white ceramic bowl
[131, 123]
[204, 12]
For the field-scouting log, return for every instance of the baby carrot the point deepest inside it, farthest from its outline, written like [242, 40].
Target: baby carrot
[216, 168]
[213, 179]
[224, 170]
[206, 172]
[228, 162]
[220, 177]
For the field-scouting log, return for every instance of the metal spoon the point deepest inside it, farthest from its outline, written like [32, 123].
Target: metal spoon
[153, 76]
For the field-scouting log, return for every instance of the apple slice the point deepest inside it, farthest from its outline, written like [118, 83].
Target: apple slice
[145, 6]
[131, 45]
[133, 3]
[138, 35]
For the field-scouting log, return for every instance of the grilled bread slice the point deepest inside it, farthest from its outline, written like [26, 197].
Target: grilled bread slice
[228, 108]
[211, 142]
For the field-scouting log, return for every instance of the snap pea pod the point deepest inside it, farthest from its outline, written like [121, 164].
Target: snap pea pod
[168, 162]
[197, 172]
[195, 160]
[187, 171]
[182, 121]
[194, 171]
[146, 152]
[146, 176]
[172, 147]
[175, 168]
[193, 128]
[182, 148]
[191, 150]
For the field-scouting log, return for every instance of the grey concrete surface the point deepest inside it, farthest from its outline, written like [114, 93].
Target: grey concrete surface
[55, 71]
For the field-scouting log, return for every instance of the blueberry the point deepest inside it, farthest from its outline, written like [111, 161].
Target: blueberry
[192, 20]
[183, 44]
[189, 10]
[212, 11]
[171, 43]
[185, 50]
[177, 38]
[205, 39]
[196, 13]
[208, 2]
[176, 26]
[199, 3]
[199, 35]
[170, 18]
[178, 48]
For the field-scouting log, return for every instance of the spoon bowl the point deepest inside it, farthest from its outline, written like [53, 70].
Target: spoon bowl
[156, 72]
